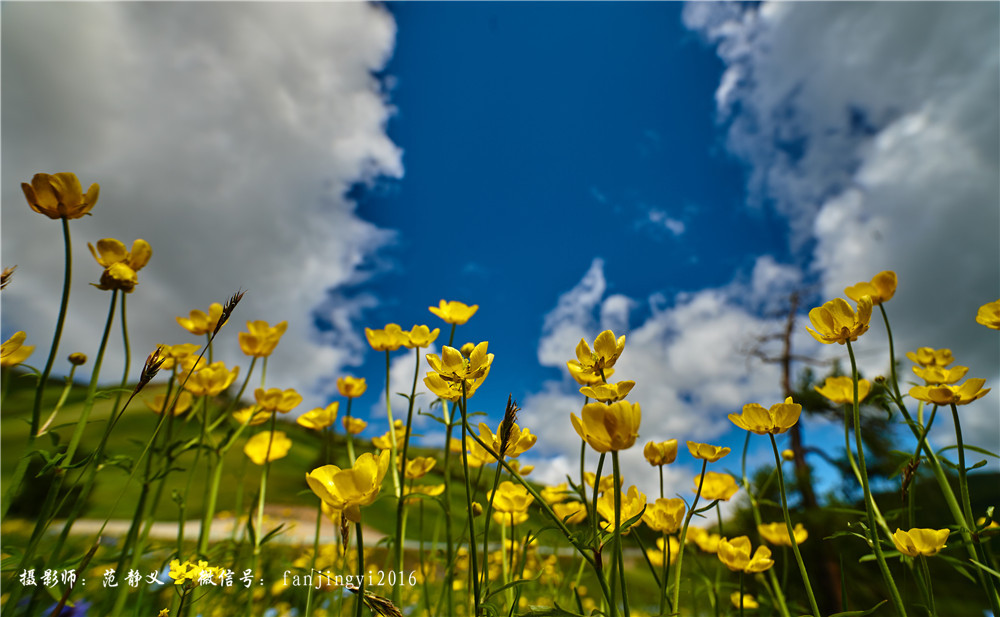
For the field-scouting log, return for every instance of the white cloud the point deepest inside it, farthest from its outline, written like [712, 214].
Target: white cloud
[872, 127]
[224, 134]
[572, 317]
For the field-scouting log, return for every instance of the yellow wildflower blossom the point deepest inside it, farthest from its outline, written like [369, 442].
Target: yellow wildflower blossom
[774, 421]
[454, 312]
[60, 195]
[881, 288]
[841, 389]
[837, 322]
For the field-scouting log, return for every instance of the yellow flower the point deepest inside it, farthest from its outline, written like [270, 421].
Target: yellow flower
[173, 355]
[836, 321]
[351, 387]
[451, 372]
[198, 323]
[570, 512]
[211, 380]
[353, 425]
[939, 374]
[606, 483]
[120, 265]
[881, 288]
[777, 533]
[261, 338]
[632, 504]
[385, 442]
[665, 515]
[608, 427]
[662, 453]
[927, 356]
[521, 470]
[748, 600]
[706, 452]
[347, 490]
[510, 497]
[555, 494]
[519, 441]
[390, 338]
[276, 399]
[251, 416]
[946, 394]
[606, 352]
[60, 195]
[454, 312]
[989, 315]
[419, 466]
[606, 392]
[774, 421]
[183, 403]
[706, 541]
[915, 542]
[320, 418]
[477, 455]
[719, 486]
[656, 555]
[585, 378]
[735, 554]
[421, 336]
[509, 518]
[14, 351]
[841, 389]
[263, 448]
[432, 490]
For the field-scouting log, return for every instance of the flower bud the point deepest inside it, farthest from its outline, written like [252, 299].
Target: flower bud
[77, 359]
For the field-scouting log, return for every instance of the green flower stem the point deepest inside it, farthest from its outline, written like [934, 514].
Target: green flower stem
[486, 530]
[473, 560]
[128, 355]
[857, 474]
[401, 501]
[963, 482]
[393, 469]
[741, 593]
[597, 483]
[618, 530]
[876, 543]
[791, 533]
[676, 599]
[59, 404]
[312, 562]
[258, 532]
[350, 437]
[359, 600]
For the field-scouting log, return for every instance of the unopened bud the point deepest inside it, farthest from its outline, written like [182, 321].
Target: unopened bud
[477, 509]
[77, 359]
[788, 455]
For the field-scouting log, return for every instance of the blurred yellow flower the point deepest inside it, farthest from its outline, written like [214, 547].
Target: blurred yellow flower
[263, 448]
[585, 378]
[353, 426]
[351, 387]
[120, 265]
[555, 494]
[707, 452]
[606, 483]
[735, 554]
[749, 602]
[570, 512]
[777, 533]
[928, 356]
[421, 336]
[385, 442]
[390, 338]
[774, 421]
[276, 399]
[510, 497]
[252, 416]
[14, 351]
[662, 453]
[467, 349]
[836, 321]
[881, 288]
[938, 374]
[706, 541]
[261, 338]
[211, 380]
[347, 490]
[632, 504]
[720, 486]
[478, 455]
[608, 427]
[419, 466]
[841, 389]
[60, 195]
[946, 394]
[199, 323]
[607, 393]
[606, 352]
[665, 515]
[173, 355]
[989, 315]
[454, 312]
[656, 555]
[521, 470]
[319, 418]
[507, 519]
[183, 403]
[519, 441]
[927, 542]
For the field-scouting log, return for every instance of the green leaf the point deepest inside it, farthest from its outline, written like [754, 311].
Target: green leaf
[984, 568]
[548, 611]
[970, 448]
[511, 585]
[859, 613]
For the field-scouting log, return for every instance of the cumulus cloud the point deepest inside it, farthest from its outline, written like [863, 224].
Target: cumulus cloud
[872, 128]
[226, 135]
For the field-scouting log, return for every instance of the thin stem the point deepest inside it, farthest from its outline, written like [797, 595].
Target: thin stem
[468, 502]
[360, 599]
[675, 600]
[401, 501]
[618, 529]
[392, 431]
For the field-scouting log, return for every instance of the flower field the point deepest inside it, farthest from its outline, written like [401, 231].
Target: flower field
[187, 489]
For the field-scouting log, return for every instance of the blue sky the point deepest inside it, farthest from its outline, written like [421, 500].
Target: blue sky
[670, 171]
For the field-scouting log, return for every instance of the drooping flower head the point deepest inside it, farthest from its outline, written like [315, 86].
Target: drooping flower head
[927, 542]
[607, 350]
[881, 288]
[735, 554]
[120, 264]
[774, 421]
[837, 322]
[60, 195]
[199, 323]
[989, 315]
[841, 389]
[607, 427]
[660, 453]
[260, 339]
[454, 312]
